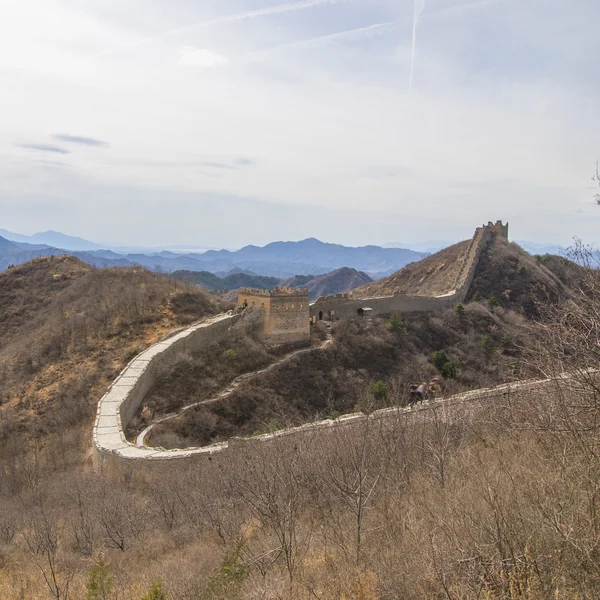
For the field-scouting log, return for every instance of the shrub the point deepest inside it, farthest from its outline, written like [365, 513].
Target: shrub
[450, 370]
[477, 297]
[493, 302]
[459, 309]
[229, 354]
[99, 583]
[396, 325]
[379, 391]
[488, 344]
[155, 593]
[439, 359]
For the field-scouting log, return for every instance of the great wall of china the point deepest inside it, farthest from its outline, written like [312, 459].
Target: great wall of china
[114, 454]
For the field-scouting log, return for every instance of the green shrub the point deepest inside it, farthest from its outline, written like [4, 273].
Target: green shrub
[229, 577]
[379, 391]
[155, 593]
[477, 297]
[99, 581]
[229, 354]
[488, 344]
[459, 309]
[439, 359]
[493, 302]
[395, 324]
[449, 370]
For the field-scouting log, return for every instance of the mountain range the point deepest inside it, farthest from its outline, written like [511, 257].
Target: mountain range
[277, 259]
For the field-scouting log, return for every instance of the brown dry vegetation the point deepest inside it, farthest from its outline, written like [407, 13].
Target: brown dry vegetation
[492, 500]
[203, 375]
[431, 276]
[336, 380]
[67, 331]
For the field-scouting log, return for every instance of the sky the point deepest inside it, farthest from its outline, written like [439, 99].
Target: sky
[228, 122]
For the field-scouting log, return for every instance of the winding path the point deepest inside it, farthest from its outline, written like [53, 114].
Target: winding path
[234, 385]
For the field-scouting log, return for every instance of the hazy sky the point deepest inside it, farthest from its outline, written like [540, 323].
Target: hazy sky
[226, 122]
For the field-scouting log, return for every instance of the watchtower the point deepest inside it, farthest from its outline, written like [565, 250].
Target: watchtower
[497, 229]
[286, 313]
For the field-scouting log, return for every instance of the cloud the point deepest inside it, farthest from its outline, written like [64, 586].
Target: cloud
[76, 139]
[43, 148]
[251, 14]
[200, 57]
[244, 162]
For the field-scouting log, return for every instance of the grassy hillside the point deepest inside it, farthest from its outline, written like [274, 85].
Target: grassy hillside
[520, 281]
[67, 330]
[431, 276]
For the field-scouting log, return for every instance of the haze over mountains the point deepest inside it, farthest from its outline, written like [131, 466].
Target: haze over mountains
[278, 259]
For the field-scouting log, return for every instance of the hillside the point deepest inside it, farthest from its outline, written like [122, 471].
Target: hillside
[336, 282]
[431, 276]
[7, 246]
[66, 330]
[520, 281]
[233, 281]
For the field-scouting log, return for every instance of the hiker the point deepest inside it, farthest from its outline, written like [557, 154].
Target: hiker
[412, 390]
[421, 392]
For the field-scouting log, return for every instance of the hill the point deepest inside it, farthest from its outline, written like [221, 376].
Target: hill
[233, 281]
[520, 281]
[7, 246]
[336, 282]
[52, 238]
[66, 330]
[432, 276]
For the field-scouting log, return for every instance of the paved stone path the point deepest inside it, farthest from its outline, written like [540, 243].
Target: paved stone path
[234, 385]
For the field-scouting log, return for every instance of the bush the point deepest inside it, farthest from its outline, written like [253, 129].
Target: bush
[99, 584]
[396, 325]
[477, 297]
[379, 391]
[488, 344]
[493, 302]
[155, 593]
[439, 359]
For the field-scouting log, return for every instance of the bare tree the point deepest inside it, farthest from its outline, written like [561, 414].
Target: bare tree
[42, 537]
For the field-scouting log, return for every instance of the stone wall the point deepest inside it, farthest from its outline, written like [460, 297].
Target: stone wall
[342, 306]
[120, 403]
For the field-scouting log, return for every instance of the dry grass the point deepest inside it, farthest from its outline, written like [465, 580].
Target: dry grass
[431, 276]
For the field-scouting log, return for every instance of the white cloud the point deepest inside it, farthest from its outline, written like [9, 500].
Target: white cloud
[201, 57]
[502, 122]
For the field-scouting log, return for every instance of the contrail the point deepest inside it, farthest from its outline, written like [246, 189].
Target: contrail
[251, 14]
[323, 40]
[419, 6]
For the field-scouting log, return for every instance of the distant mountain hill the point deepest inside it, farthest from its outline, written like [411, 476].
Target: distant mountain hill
[278, 259]
[7, 246]
[340, 280]
[52, 238]
[210, 281]
[326, 257]
[336, 282]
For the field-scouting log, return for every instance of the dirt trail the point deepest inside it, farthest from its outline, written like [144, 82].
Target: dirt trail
[234, 385]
